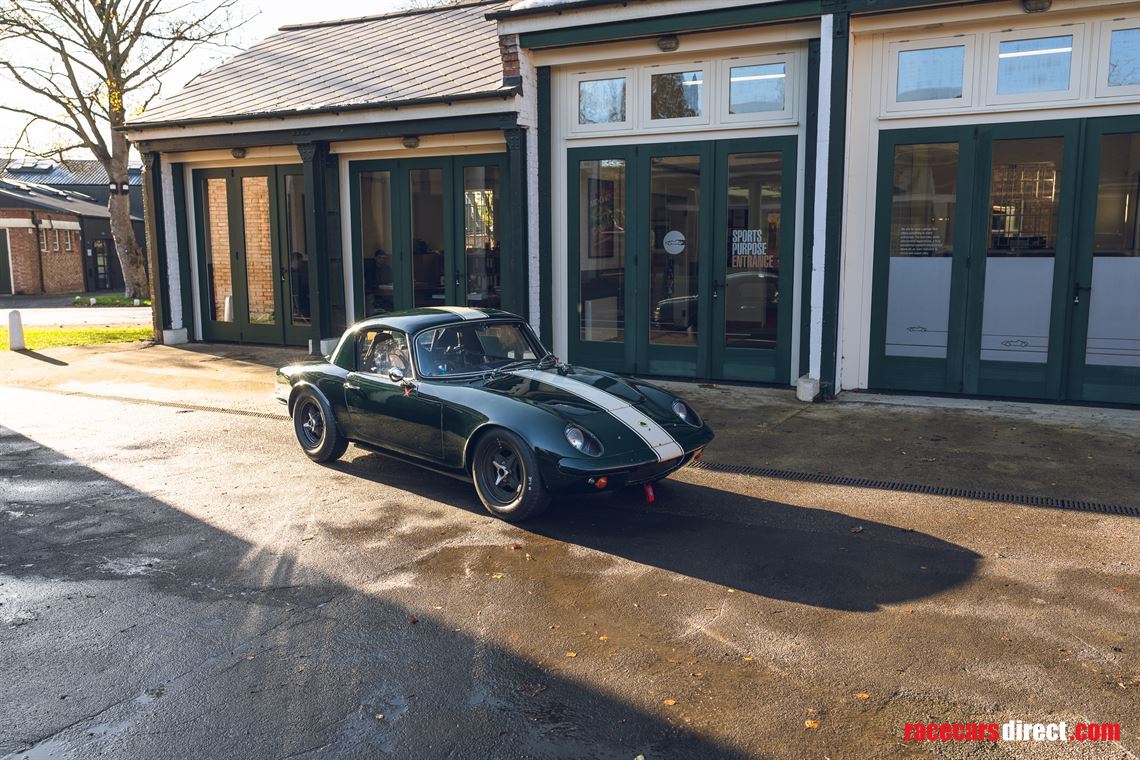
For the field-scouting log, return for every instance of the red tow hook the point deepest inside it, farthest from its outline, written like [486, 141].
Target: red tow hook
[649, 497]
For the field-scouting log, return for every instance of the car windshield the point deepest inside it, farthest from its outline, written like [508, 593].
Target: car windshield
[476, 347]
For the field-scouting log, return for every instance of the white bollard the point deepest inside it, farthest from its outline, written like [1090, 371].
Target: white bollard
[228, 309]
[92, 301]
[15, 331]
[138, 302]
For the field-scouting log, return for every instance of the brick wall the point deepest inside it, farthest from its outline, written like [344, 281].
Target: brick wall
[218, 244]
[509, 53]
[62, 269]
[258, 250]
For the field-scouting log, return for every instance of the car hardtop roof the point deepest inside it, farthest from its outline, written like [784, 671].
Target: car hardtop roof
[414, 320]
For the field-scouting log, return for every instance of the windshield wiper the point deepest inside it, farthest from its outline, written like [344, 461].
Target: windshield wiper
[509, 366]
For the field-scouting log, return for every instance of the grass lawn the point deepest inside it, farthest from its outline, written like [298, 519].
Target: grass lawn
[53, 337]
[108, 301]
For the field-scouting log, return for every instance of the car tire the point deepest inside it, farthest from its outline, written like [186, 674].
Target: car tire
[505, 472]
[316, 429]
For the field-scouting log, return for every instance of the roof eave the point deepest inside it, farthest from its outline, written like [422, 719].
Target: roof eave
[501, 93]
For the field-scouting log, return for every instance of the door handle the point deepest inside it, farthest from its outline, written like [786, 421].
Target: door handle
[1077, 289]
[351, 386]
[716, 289]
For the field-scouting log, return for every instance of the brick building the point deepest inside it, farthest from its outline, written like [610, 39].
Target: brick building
[54, 241]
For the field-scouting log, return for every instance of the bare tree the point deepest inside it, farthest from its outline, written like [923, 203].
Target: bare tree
[93, 62]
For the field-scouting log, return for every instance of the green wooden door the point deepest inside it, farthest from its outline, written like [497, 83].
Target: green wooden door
[241, 267]
[987, 238]
[675, 264]
[429, 232]
[753, 256]
[1104, 344]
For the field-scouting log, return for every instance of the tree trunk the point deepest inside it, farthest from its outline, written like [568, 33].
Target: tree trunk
[131, 257]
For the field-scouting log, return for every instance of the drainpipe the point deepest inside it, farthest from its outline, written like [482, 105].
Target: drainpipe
[808, 386]
[36, 222]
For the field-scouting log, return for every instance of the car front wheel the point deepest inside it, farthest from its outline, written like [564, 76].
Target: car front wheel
[316, 429]
[505, 472]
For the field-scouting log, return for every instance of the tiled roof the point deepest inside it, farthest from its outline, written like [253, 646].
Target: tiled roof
[450, 51]
[66, 172]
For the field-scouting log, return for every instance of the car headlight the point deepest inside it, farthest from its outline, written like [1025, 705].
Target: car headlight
[686, 413]
[583, 441]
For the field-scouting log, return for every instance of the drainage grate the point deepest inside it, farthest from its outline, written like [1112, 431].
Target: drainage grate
[167, 404]
[1027, 500]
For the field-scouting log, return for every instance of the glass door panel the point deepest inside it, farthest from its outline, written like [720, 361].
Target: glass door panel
[1024, 214]
[674, 249]
[375, 229]
[297, 251]
[752, 250]
[482, 242]
[429, 254]
[924, 200]
[215, 222]
[261, 305]
[601, 250]
[1113, 337]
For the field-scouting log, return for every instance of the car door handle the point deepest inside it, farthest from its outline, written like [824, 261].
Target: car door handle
[351, 387]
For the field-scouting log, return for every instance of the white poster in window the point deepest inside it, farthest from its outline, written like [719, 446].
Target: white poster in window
[748, 250]
[673, 242]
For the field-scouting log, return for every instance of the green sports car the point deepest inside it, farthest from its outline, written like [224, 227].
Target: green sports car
[471, 393]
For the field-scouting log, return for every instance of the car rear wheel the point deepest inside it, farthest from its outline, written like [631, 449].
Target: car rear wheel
[505, 472]
[316, 429]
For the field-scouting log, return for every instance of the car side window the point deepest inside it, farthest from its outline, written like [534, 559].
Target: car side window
[379, 351]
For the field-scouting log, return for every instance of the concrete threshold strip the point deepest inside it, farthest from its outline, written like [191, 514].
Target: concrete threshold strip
[1027, 500]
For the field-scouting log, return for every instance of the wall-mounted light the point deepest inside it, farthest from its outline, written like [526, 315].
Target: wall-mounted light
[1036, 6]
[238, 152]
[668, 43]
[411, 141]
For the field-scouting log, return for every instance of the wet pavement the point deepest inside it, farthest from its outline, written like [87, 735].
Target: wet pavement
[176, 581]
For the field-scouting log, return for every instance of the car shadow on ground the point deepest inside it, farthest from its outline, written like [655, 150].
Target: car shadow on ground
[782, 551]
[130, 628]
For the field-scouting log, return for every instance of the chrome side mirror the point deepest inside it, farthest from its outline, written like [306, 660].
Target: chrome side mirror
[396, 375]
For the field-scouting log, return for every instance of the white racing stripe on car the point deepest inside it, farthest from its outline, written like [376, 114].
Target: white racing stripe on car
[464, 312]
[664, 445]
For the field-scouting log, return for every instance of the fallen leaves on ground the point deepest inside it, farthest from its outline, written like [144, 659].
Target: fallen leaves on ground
[669, 702]
[571, 654]
[862, 695]
[413, 619]
[857, 529]
[812, 724]
[603, 638]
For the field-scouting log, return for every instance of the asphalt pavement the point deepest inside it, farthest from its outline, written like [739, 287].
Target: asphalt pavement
[177, 580]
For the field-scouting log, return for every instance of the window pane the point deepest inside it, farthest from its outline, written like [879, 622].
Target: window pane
[482, 244]
[677, 95]
[752, 281]
[376, 241]
[601, 255]
[1124, 58]
[923, 210]
[1040, 65]
[674, 249]
[930, 74]
[1025, 192]
[601, 101]
[1114, 306]
[259, 274]
[428, 250]
[216, 226]
[295, 245]
[755, 89]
